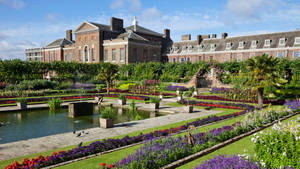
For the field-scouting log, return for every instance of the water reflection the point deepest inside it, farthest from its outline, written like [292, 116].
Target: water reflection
[37, 123]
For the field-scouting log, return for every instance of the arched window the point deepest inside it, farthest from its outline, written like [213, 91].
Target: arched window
[86, 53]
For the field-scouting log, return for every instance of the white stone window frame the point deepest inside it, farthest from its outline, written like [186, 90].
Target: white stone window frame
[190, 48]
[282, 54]
[174, 60]
[294, 54]
[297, 41]
[122, 59]
[182, 60]
[267, 42]
[188, 59]
[239, 57]
[241, 44]
[254, 43]
[213, 47]
[282, 41]
[229, 45]
[86, 48]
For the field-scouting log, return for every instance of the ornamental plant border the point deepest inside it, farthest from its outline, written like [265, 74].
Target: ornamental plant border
[223, 144]
[217, 105]
[57, 157]
[274, 102]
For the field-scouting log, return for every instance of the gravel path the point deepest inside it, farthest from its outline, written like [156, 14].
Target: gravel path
[36, 145]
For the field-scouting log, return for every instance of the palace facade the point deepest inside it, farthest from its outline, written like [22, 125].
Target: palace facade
[115, 43]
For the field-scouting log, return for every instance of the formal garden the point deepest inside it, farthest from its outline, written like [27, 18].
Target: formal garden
[251, 121]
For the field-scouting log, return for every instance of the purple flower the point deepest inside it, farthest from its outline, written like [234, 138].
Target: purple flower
[174, 88]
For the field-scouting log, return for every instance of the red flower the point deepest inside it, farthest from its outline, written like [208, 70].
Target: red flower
[110, 166]
[103, 164]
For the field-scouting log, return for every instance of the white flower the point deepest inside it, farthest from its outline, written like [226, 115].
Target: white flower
[253, 140]
[284, 153]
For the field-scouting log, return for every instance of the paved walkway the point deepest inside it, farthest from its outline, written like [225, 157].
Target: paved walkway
[36, 145]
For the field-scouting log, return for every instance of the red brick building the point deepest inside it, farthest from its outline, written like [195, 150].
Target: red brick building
[208, 48]
[113, 43]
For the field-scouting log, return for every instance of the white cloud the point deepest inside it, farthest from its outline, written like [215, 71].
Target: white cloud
[116, 4]
[12, 3]
[130, 4]
[151, 13]
[135, 4]
[52, 17]
[251, 9]
[10, 50]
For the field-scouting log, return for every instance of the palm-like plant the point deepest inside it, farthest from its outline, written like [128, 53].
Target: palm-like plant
[109, 73]
[261, 72]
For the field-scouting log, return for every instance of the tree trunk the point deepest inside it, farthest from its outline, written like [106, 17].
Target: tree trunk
[107, 87]
[260, 97]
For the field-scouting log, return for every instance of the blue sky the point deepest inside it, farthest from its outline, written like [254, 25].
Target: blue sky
[34, 23]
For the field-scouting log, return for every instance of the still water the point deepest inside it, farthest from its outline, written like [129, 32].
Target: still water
[38, 123]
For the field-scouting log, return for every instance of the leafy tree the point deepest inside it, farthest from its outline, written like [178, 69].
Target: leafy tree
[109, 73]
[261, 73]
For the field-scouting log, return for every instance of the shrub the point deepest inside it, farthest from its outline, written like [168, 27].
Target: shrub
[188, 94]
[100, 86]
[65, 85]
[21, 100]
[280, 147]
[3, 85]
[223, 161]
[54, 103]
[125, 86]
[122, 97]
[155, 100]
[107, 113]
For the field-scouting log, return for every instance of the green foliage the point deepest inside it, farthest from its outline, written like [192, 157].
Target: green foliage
[100, 86]
[125, 86]
[109, 73]
[108, 113]
[280, 147]
[65, 85]
[21, 100]
[122, 96]
[188, 93]
[54, 103]
[155, 100]
[37, 84]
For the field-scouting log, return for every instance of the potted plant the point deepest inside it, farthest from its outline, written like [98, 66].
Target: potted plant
[22, 103]
[106, 120]
[122, 99]
[156, 101]
[188, 108]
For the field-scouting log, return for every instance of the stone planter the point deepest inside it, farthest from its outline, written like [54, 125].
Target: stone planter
[195, 93]
[22, 105]
[179, 98]
[155, 106]
[188, 109]
[153, 114]
[80, 109]
[106, 123]
[122, 102]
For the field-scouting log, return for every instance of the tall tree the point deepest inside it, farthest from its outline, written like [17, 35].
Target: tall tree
[109, 73]
[262, 72]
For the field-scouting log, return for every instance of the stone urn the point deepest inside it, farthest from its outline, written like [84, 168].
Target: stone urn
[179, 98]
[106, 123]
[161, 97]
[177, 92]
[195, 93]
[122, 102]
[22, 105]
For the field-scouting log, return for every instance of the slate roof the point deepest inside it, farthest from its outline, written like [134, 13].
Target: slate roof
[131, 35]
[59, 42]
[205, 45]
[101, 26]
[140, 29]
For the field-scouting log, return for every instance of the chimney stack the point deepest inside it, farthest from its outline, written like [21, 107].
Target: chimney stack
[167, 33]
[69, 35]
[199, 39]
[186, 37]
[224, 35]
[116, 24]
[214, 36]
[206, 36]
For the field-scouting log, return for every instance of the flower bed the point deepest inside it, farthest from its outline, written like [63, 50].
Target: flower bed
[159, 152]
[217, 105]
[219, 90]
[109, 144]
[273, 102]
[174, 88]
[293, 104]
[144, 98]
[233, 162]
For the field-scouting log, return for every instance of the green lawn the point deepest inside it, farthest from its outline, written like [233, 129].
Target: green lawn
[109, 158]
[243, 146]
[4, 163]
